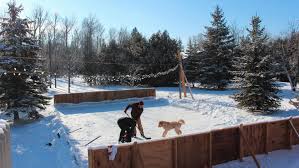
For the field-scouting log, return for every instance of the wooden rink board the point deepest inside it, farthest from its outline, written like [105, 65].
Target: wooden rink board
[200, 150]
[103, 95]
[225, 144]
[256, 135]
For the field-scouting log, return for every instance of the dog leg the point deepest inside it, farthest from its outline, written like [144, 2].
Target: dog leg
[164, 133]
[178, 131]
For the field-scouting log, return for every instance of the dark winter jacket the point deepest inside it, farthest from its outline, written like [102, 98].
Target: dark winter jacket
[136, 111]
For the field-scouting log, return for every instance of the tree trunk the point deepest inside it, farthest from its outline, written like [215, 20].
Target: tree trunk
[69, 80]
[56, 76]
[16, 116]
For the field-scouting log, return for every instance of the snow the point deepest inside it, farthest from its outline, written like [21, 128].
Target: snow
[209, 110]
[276, 159]
[2, 46]
[29, 145]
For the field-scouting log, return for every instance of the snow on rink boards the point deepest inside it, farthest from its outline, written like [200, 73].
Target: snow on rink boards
[100, 119]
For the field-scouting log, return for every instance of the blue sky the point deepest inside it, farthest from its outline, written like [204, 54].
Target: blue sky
[181, 18]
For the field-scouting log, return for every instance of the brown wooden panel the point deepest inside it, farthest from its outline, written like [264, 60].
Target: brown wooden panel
[295, 138]
[100, 158]
[156, 154]
[256, 136]
[193, 151]
[102, 95]
[279, 134]
[225, 144]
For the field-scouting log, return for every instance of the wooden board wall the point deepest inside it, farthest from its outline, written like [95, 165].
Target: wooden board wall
[193, 151]
[255, 134]
[225, 144]
[103, 95]
[201, 150]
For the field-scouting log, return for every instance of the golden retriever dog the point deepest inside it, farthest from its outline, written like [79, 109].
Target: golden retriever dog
[176, 125]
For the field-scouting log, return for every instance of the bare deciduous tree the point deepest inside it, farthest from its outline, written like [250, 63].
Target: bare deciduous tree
[67, 26]
[40, 24]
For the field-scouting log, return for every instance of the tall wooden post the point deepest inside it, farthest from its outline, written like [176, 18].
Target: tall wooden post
[180, 86]
[182, 74]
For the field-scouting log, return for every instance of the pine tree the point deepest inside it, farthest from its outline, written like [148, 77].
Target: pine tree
[192, 62]
[23, 81]
[162, 57]
[138, 47]
[258, 92]
[218, 47]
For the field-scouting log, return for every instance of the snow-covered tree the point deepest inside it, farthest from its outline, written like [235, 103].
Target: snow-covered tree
[218, 47]
[258, 92]
[22, 82]
[192, 62]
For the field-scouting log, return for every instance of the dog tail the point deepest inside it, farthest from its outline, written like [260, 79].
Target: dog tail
[181, 121]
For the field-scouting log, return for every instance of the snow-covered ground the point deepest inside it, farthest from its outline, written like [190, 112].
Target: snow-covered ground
[209, 110]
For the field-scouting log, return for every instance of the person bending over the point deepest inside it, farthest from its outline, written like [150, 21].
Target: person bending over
[127, 126]
[136, 111]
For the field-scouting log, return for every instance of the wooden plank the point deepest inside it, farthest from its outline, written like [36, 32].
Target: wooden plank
[248, 146]
[103, 95]
[200, 150]
[290, 133]
[210, 149]
[134, 156]
[156, 154]
[122, 159]
[295, 139]
[279, 132]
[193, 151]
[241, 150]
[175, 153]
[91, 159]
[225, 145]
[267, 140]
[255, 135]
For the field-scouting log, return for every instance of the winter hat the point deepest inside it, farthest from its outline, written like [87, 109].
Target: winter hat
[141, 103]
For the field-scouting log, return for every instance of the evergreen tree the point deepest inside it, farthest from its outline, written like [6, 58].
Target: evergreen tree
[258, 92]
[192, 62]
[218, 47]
[137, 46]
[162, 57]
[23, 82]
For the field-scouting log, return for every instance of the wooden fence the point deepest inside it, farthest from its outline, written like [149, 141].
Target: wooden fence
[5, 155]
[202, 150]
[103, 95]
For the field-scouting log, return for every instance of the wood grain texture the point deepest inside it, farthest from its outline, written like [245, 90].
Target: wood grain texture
[295, 139]
[225, 144]
[278, 135]
[103, 95]
[255, 136]
[200, 150]
[193, 151]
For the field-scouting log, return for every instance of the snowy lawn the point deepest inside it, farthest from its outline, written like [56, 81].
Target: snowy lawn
[30, 150]
[209, 110]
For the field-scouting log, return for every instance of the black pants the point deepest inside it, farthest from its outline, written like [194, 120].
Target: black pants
[127, 126]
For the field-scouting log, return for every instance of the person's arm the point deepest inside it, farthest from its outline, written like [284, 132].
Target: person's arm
[130, 105]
